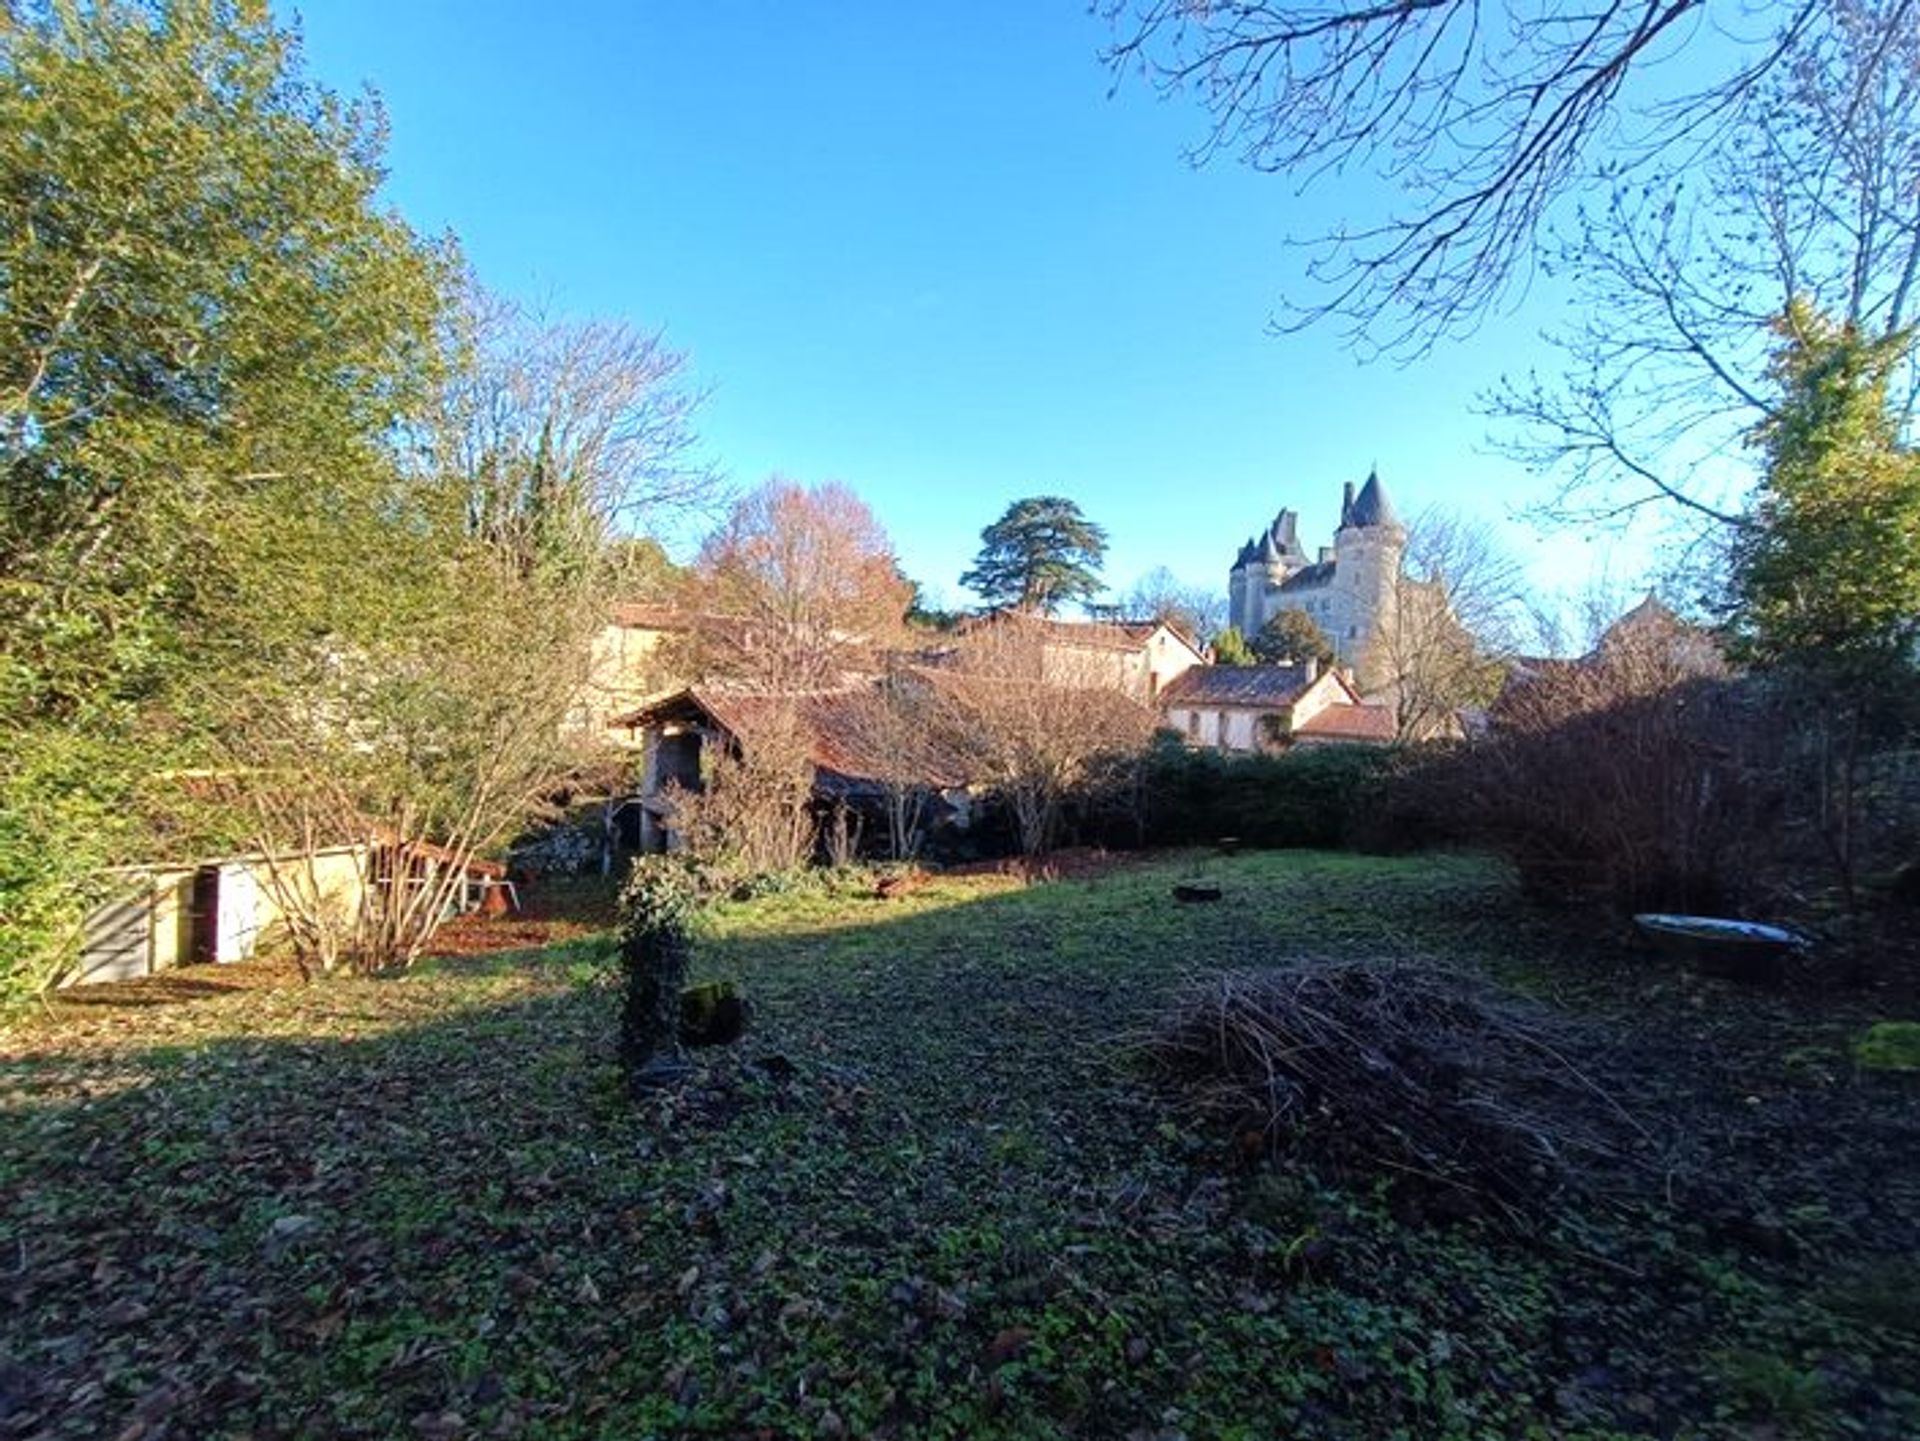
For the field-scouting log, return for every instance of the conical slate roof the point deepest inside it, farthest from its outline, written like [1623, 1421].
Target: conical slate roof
[1370, 507]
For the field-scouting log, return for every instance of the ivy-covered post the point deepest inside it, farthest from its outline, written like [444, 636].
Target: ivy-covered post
[656, 909]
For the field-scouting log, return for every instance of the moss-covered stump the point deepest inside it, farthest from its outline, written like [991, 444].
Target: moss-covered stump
[713, 1013]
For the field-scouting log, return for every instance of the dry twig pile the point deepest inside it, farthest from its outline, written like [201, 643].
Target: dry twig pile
[1424, 1072]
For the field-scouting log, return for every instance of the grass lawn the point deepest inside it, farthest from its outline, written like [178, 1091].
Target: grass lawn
[424, 1207]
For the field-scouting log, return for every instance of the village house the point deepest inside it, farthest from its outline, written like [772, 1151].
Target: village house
[635, 655]
[1257, 708]
[1139, 659]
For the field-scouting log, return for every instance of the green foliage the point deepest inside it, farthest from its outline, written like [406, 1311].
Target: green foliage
[208, 330]
[1292, 635]
[1889, 1046]
[1313, 796]
[1231, 648]
[1040, 554]
[1766, 1385]
[1827, 569]
[61, 822]
[662, 893]
[657, 906]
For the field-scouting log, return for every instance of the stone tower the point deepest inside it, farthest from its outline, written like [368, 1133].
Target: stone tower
[1344, 591]
[1262, 565]
[1368, 549]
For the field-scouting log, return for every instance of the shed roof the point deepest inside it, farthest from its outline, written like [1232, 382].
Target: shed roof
[848, 732]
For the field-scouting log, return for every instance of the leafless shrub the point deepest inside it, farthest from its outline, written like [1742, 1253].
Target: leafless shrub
[914, 742]
[1417, 1071]
[1043, 729]
[755, 807]
[841, 835]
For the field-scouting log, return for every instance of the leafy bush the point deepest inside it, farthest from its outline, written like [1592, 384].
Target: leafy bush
[1307, 797]
[1889, 1046]
[62, 819]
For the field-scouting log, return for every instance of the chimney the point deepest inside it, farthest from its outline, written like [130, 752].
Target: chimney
[1326, 555]
[1313, 669]
[1346, 503]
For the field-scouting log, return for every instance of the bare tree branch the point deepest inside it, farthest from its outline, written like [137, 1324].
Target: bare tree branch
[1484, 115]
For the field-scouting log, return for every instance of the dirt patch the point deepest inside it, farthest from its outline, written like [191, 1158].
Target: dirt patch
[478, 935]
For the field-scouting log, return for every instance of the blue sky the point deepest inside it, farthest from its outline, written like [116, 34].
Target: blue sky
[918, 249]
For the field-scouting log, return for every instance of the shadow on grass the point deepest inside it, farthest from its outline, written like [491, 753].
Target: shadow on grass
[424, 1206]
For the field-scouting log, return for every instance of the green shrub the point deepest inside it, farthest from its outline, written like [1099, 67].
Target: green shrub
[1306, 797]
[1889, 1046]
[656, 916]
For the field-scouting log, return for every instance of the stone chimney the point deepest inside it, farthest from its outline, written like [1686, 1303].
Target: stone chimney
[1326, 555]
[1313, 669]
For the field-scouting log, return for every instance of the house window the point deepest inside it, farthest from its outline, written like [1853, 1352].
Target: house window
[1193, 724]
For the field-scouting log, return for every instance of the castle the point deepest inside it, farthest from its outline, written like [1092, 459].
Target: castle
[1345, 590]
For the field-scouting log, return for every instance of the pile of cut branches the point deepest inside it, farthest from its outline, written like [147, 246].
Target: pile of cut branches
[1419, 1071]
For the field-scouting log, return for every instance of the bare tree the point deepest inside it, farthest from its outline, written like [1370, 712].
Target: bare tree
[1451, 619]
[799, 587]
[567, 434]
[1813, 194]
[1042, 744]
[1196, 610]
[1482, 115]
[914, 741]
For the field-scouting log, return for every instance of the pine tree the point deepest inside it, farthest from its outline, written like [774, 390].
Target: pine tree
[1039, 555]
[1230, 648]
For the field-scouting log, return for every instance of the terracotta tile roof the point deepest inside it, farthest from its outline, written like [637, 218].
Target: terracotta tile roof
[1351, 722]
[1271, 687]
[1126, 635]
[847, 731]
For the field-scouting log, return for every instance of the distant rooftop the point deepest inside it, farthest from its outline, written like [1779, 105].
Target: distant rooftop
[1238, 685]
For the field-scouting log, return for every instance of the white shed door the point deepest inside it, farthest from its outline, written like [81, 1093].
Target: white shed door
[238, 917]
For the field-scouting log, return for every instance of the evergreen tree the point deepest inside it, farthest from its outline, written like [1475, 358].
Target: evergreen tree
[1291, 635]
[1039, 555]
[1827, 568]
[1230, 648]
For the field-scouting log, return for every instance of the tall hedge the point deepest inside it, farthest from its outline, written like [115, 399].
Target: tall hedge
[1312, 796]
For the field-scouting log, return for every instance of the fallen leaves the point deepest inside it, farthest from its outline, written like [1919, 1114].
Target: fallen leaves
[919, 1198]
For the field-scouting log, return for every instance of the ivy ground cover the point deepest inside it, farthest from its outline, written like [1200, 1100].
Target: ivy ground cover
[929, 1195]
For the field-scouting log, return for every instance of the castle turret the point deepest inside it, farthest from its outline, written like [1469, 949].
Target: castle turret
[1344, 591]
[1368, 549]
